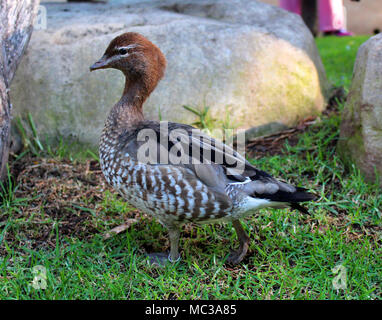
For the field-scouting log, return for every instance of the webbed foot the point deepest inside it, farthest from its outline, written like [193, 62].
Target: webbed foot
[160, 259]
[237, 256]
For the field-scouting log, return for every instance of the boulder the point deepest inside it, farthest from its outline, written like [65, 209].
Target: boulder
[361, 127]
[254, 61]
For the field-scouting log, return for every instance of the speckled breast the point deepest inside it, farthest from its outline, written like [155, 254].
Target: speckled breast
[169, 193]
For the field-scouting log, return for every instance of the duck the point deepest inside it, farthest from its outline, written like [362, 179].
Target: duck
[173, 171]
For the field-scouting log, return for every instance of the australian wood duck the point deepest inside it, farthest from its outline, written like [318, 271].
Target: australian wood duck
[176, 192]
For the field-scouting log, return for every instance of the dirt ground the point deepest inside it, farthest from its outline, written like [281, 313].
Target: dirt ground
[363, 17]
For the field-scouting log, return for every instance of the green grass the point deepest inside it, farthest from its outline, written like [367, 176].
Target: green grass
[291, 256]
[338, 55]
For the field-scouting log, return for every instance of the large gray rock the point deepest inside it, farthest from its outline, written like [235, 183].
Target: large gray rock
[361, 127]
[253, 60]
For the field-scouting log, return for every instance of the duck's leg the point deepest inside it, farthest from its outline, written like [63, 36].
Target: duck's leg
[237, 256]
[173, 256]
[174, 235]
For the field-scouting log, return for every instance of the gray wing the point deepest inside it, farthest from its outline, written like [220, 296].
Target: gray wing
[211, 161]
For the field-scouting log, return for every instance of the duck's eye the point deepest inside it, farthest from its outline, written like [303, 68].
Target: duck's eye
[122, 51]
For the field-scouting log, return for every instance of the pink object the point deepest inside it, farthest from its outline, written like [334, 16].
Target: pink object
[330, 13]
[291, 5]
[343, 33]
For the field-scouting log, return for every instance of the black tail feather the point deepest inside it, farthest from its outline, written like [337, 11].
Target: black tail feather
[300, 195]
[299, 207]
[292, 198]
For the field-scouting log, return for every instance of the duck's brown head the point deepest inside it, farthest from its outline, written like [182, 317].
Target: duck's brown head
[139, 59]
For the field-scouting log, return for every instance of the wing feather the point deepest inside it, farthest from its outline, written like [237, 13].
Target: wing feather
[211, 161]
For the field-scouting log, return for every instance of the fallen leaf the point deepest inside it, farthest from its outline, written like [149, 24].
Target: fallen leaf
[119, 228]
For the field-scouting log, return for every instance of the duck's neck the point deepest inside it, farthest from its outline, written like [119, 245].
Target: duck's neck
[128, 110]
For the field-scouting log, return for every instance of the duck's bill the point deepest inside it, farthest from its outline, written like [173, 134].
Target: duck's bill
[100, 64]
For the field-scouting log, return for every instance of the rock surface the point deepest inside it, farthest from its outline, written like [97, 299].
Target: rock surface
[361, 128]
[264, 130]
[253, 60]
